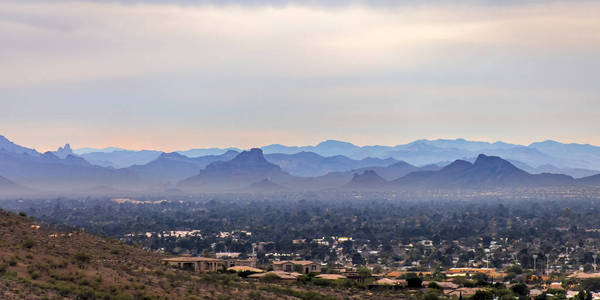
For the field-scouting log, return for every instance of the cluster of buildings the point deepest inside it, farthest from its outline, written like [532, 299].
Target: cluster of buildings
[291, 270]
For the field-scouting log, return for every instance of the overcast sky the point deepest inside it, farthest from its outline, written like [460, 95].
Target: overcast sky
[174, 75]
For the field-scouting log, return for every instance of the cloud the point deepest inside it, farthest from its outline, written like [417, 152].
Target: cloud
[370, 71]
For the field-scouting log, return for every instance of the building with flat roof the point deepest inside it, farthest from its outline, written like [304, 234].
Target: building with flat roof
[300, 266]
[196, 264]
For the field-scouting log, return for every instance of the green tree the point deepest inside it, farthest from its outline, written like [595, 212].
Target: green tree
[520, 289]
[483, 295]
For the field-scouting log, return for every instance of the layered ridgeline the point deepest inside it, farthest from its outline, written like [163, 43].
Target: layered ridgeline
[487, 172]
[39, 262]
[576, 160]
[26, 171]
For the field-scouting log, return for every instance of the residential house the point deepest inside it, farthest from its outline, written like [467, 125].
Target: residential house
[196, 264]
[300, 266]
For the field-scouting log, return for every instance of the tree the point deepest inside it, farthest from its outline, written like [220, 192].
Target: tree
[520, 289]
[584, 295]
[414, 282]
[591, 284]
[357, 259]
[483, 295]
[363, 272]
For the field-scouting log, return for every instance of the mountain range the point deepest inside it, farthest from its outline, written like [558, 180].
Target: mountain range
[295, 169]
[577, 160]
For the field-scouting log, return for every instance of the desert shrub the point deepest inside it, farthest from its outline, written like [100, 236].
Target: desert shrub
[245, 274]
[433, 285]
[342, 283]
[22, 214]
[85, 293]
[64, 289]
[431, 295]
[84, 281]
[10, 275]
[28, 243]
[12, 261]
[122, 297]
[35, 274]
[321, 281]
[255, 295]
[82, 257]
[294, 293]
[270, 277]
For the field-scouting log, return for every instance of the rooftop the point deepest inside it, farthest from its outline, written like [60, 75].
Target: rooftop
[190, 259]
[296, 262]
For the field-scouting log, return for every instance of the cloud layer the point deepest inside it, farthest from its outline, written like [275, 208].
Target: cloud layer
[163, 75]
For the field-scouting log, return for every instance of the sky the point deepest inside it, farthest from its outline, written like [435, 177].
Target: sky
[174, 75]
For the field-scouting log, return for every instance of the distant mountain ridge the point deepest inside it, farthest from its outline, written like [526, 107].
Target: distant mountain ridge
[368, 180]
[246, 168]
[253, 169]
[11, 147]
[569, 157]
[121, 158]
[51, 172]
[310, 164]
[63, 152]
[175, 167]
[485, 172]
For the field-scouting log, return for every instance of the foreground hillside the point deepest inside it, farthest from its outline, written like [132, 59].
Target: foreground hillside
[38, 262]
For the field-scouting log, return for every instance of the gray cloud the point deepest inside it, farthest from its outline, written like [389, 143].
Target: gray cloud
[159, 75]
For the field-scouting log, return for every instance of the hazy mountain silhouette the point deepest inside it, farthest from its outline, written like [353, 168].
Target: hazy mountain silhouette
[367, 180]
[63, 152]
[174, 167]
[326, 148]
[85, 150]
[547, 168]
[571, 155]
[310, 164]
[206, 151]
[485, 172]
[264, 186]
[424, 152]
[246, 168]
[11, 147]
[391, 172]
[61, 170]
[121, 158]
[48, 171]
[590, 180]
[398, 170]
